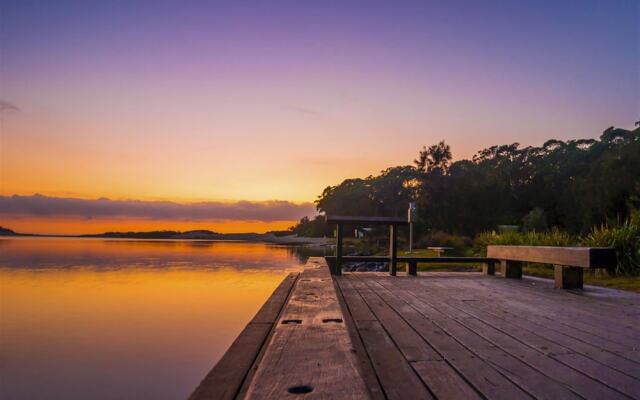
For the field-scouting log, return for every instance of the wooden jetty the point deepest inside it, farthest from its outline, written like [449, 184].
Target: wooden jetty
[329, 334]
[435, 336]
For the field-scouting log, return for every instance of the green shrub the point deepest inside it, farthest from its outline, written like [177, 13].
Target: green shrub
[554, 237]
[624, 238]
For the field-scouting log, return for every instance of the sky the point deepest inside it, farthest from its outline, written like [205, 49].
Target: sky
[260, 105]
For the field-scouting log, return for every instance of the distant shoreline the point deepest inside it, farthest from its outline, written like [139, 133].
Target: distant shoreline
[189, 235]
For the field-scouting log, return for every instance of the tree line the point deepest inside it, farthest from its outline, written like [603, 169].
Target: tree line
[571, 185]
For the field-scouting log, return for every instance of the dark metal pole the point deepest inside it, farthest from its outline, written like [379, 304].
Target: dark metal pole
[338, 270]
[393, 254]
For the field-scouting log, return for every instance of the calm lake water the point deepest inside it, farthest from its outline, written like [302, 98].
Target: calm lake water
[126, 319]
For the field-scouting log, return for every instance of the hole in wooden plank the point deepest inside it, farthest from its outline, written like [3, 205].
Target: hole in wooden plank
[292, 321]
[336, 320]
[300, 389]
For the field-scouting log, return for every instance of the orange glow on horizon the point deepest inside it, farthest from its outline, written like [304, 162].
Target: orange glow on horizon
[78, 226]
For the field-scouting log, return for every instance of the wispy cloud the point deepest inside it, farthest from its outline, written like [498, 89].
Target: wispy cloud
[306, 111]
[5, 106]
[45, 206]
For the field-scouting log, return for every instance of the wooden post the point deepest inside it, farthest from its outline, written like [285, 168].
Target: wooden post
[489, 268]
[567, 277]
[412, 268]
[511, 269]
[393, 253]
[338, 267]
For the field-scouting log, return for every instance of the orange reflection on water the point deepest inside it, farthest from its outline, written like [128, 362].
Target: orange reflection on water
[77, 226]
[105, 330]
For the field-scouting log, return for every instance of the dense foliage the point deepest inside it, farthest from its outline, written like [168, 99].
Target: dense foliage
[570, 185]
[624, 237]
[316, 227]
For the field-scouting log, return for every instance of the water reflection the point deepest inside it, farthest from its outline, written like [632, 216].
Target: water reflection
[126, 319]
[39, 253]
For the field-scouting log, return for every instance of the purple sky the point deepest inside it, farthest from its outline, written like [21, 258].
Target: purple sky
[267, 100]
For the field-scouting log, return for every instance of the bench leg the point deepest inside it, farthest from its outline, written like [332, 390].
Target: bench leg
[567, 277]
[511, 269]
[489, 268]
[412, 268]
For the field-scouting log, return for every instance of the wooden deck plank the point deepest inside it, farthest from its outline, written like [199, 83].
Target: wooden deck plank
[575, 342]
[387, 360]
[506, 303]
[526, 376]
[550, 342]
[226, 378]
[608, 376]
[579, 383]
[398, 379]
[577, 311]
[614, 379]
[444, 381]
[310, 348]
[481, 375]
[577, 306]
[553, 318]
[407, 340]
[366, 366]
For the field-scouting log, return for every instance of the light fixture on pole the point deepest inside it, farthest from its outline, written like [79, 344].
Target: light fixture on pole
[412, 216]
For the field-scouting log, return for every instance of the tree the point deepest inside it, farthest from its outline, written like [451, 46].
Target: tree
[437, 156]
[571, 185]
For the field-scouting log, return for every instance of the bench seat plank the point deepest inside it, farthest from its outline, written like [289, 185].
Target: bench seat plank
[584, 257]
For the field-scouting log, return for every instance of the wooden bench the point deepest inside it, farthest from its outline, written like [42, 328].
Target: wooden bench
[569, 262]
[439, 250]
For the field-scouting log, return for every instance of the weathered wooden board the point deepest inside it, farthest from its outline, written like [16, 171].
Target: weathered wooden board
[397, 378]
[310, 350]
[613, 379]
[444, 381]
[578, 383]
[227, 376]
[460, 360]
[524, 375]
[407, 340]
[498, 341]
[561, 313]
[366, 367]
[585, 257]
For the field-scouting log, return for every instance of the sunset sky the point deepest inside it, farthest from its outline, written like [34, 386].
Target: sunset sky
[234, 116]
